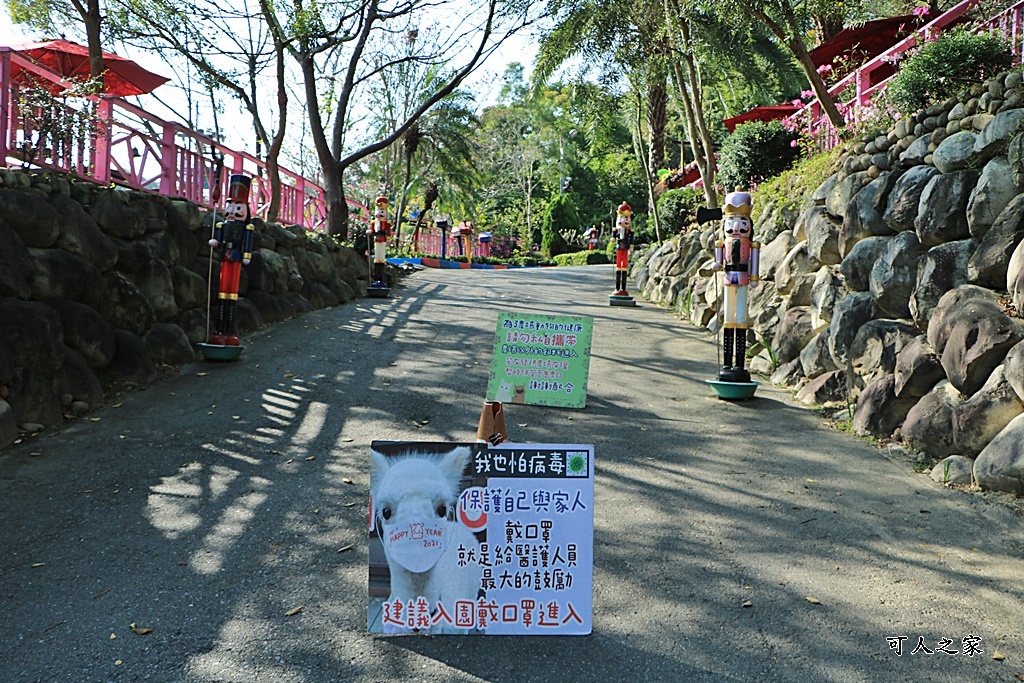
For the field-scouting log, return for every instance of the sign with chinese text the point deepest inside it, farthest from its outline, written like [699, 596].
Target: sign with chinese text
[541, 360]
[473, 539]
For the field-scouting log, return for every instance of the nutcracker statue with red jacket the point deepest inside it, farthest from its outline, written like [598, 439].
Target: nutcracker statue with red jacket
[232, 241]
[591, 234]
[738, 256]
[623, 236]
[377, 238]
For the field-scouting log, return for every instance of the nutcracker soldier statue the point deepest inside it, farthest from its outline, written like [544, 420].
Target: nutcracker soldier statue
[377, 235]
[623, 236]
[738, 256]
[591, 235]
[232, 241]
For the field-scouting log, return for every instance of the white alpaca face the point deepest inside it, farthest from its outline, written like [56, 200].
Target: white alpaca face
[414, 498]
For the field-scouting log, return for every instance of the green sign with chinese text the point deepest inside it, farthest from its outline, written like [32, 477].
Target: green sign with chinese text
[541, 360]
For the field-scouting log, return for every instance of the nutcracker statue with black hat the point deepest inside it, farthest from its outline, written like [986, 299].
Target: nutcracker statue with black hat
[623, 236]
[232, 241]
[377, 235]
[591, 235]
[738, 256]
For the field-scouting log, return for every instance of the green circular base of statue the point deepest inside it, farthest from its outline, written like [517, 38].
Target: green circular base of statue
[733, 391]
[220, 353]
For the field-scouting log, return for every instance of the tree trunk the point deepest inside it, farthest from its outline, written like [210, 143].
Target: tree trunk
[403, 200]
[657, 120]
[693, 107]
[790, 38]
[818, 85]
[334, 193]
[705, 166]
[274, 151]
[825, 27]
[639, 144]
[337, 207]
[92, 20]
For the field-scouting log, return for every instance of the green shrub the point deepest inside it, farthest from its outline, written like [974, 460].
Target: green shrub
[561, 216]
[582, 258]
[941, 68]
[678, 209]
[755, 151]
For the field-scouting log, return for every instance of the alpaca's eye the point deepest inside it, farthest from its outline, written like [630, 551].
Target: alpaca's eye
[386, 514]
[441, 510]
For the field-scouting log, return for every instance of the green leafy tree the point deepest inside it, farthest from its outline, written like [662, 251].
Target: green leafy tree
[560, 219]
[617, 37]
[678, 208]
[756, 151]
[442, 140]
[338, 50]
[791, 22]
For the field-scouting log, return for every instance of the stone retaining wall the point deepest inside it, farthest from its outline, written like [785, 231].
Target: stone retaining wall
[101, 286]
[896, 285]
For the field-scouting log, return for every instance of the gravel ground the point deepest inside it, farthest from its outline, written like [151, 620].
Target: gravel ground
[733, 542]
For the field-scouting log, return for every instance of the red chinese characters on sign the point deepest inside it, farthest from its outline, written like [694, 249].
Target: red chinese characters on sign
[480, 614]
[554, 341]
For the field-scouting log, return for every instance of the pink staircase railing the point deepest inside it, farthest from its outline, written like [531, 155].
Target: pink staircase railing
[133, 148]
[811, 118]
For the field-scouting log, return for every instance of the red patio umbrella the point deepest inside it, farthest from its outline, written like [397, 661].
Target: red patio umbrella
[122, 76]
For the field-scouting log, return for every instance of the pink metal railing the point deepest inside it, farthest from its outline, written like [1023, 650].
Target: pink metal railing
[811, 118]
[133, 148]
[431, 238]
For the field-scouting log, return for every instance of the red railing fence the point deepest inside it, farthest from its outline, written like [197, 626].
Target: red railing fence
[811, 119]
[107, 139]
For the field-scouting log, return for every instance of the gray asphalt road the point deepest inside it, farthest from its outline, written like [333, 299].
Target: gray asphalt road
[209, 505]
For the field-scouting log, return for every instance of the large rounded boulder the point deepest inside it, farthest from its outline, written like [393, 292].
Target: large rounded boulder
[974, 334]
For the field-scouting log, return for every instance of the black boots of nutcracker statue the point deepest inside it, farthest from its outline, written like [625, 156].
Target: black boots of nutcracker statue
[738, 256]
[232, 241]
[623, 236]
[377, 236]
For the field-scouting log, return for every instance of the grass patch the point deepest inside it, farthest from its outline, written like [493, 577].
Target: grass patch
[796, 185]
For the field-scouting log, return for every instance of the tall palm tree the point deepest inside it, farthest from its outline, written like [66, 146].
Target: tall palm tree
[626, 36]
[443, 140]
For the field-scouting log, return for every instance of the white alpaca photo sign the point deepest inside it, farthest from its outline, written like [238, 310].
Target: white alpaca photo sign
[481, 540]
